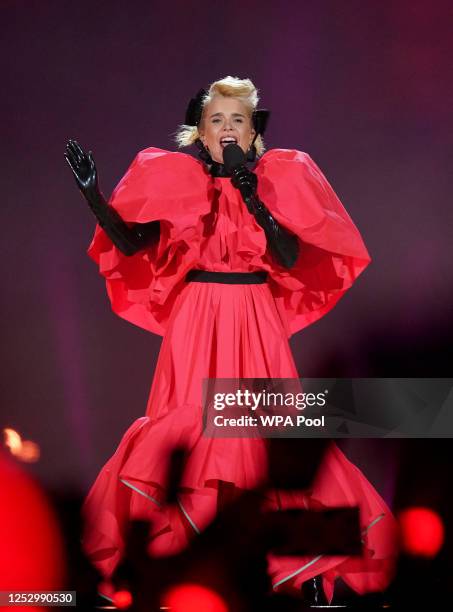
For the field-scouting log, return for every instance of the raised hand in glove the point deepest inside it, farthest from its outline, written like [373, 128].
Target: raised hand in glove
[128, 239]
[84, 170]
[283, 244]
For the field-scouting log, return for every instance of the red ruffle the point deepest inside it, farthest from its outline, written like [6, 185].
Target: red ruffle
[158, 186]
[176, 189]
[332, 251]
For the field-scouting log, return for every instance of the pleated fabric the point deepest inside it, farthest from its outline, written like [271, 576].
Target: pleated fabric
[214, 330]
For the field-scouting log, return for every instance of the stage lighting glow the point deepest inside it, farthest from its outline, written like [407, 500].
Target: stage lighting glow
[25, 450]
[422, 531]
[193, 598]
[122, 599]
[32, 556]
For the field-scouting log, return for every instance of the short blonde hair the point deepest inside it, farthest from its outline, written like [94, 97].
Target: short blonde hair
[230, 87]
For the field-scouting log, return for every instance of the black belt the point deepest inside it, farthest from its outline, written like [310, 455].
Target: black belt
[231, 278]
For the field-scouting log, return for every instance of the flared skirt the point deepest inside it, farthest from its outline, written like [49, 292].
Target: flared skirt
[223, 331]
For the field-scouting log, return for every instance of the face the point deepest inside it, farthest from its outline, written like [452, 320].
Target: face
[225, 120]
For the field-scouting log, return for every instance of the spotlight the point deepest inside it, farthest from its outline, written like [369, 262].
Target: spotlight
[122, 599]
[193, 598]
[421, 531]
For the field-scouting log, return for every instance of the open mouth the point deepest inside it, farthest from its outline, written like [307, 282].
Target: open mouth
[228, 140]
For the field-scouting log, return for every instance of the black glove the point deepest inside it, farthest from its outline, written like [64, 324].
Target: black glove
[128, 239]
[283, 244]
[247, 183]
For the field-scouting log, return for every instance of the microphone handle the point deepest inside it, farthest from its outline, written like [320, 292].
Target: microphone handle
[246, 191]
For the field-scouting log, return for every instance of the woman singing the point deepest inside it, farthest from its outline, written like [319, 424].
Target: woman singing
[226, 263]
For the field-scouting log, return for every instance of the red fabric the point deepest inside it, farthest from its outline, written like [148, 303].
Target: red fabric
[176, 189]
[225, 331]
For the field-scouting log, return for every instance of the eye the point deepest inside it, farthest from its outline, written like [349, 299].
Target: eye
[216, 120]
[239, 119]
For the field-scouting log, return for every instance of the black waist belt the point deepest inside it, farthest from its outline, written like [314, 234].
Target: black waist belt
[231, 278]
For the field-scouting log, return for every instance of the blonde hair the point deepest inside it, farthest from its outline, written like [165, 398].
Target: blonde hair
[230, 87]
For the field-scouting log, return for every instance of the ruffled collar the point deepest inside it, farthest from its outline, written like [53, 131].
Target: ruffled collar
[217, 169]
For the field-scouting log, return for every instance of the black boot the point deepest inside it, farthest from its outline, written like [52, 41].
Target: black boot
[313, 593]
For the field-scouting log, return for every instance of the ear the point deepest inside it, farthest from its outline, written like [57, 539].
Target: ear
[252, 127]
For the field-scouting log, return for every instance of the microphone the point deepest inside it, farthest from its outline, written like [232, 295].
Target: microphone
[234, 158]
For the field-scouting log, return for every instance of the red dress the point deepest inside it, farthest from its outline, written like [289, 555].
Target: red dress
[214, 330]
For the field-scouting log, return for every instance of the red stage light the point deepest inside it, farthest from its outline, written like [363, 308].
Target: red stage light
[422, 531]
[122, 599]
[193, 598]
[32, 556]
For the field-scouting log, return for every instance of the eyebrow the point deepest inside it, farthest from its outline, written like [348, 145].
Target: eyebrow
[234, 115]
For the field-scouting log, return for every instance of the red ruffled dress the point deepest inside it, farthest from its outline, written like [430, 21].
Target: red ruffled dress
[215, 330]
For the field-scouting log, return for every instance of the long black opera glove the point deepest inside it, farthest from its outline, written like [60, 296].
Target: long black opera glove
[129, 240]
[283, 243]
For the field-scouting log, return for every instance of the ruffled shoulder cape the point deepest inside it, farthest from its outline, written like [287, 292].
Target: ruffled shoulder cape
[176, 189]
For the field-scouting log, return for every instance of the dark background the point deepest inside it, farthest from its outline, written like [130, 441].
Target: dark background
[364, 87]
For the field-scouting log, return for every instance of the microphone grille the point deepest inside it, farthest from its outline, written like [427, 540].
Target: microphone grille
[233, 156]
